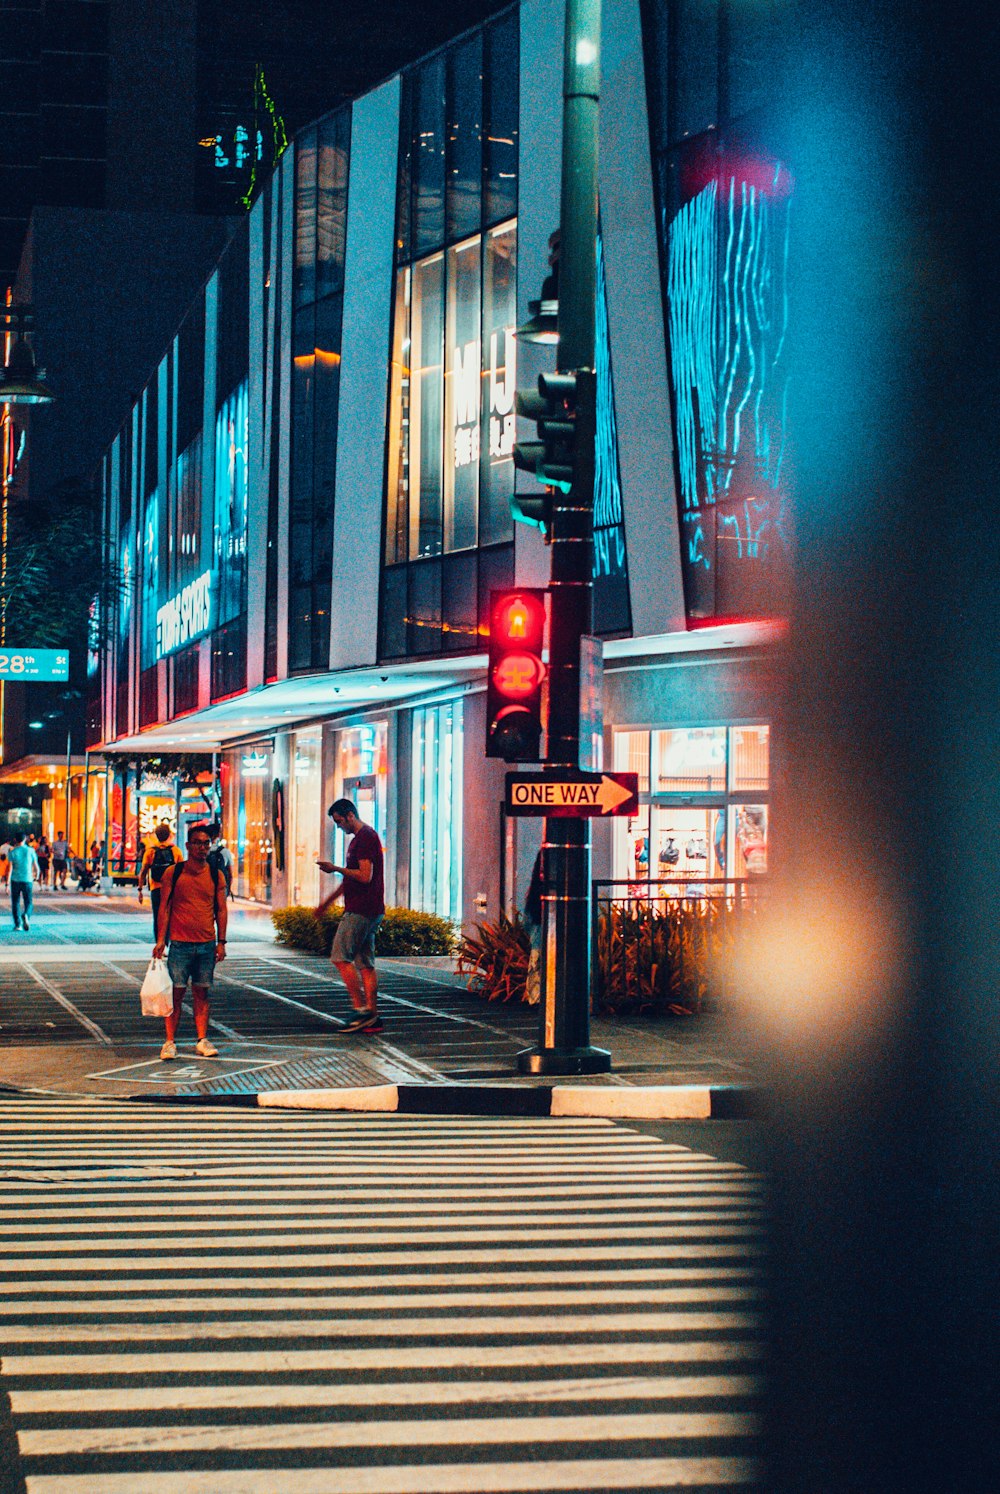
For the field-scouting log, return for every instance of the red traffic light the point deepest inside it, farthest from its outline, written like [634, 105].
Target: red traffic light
[518, 675]
[518, 618]
[514, 684]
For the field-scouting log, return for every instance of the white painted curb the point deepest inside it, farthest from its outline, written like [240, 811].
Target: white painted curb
[371, 1097]
[653, 1102]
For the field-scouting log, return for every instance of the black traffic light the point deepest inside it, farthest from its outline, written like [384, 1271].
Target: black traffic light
[550, 459]
[516, 675]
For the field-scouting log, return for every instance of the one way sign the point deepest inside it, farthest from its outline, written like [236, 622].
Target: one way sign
[567, 794]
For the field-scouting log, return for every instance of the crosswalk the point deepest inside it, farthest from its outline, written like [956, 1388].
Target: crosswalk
[205, 1301]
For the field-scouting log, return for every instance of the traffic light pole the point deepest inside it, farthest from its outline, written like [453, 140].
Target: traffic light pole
[564, 1036]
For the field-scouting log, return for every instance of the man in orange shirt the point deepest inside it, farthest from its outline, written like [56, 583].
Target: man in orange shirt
[192, 906]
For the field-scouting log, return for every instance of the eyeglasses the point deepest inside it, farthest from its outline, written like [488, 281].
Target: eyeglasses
[199, 842]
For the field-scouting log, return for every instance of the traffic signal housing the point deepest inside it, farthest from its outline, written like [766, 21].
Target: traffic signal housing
[517, 675]
[550, 459]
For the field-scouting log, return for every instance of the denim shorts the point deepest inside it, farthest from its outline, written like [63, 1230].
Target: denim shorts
[355, 940]
[191, 962]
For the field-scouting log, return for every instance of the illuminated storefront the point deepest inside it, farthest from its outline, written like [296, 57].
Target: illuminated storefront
[247, 818]
[703, 796]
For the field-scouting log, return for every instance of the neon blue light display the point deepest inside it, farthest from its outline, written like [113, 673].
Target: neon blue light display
[612, 613]
[232, 439]
[727, 288]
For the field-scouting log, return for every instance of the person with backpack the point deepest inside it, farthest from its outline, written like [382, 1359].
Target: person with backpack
[193, 907]
[221, 857]
[155, 862]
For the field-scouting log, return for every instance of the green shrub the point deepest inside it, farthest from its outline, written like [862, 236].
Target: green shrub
[403, 931]
[669, 957]
[496, 959]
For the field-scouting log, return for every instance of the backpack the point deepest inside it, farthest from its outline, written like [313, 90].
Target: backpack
[218, 863]
[163, 857]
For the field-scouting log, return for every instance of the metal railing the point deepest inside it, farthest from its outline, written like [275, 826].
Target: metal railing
[665, 944]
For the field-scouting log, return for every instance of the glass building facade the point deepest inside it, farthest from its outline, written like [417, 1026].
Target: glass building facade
[449, 470]
[724, 199]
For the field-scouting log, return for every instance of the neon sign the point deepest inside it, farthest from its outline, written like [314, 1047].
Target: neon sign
[184, 616]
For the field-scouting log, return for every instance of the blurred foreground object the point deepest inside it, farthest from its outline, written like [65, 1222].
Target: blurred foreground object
[875, 986]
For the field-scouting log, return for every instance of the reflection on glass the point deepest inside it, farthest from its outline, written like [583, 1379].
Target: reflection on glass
[749, 835]
[691, 759]
[426, 405]
[631, 752]
[398, 480]
[461, 436]
[307, 818]
[750, 768]
[499, 377]
[436, 811]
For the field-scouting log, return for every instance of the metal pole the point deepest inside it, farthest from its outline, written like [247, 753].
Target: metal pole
[564, 1036]
[69, 738]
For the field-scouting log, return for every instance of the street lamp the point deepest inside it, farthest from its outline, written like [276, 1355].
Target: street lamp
[21, 382]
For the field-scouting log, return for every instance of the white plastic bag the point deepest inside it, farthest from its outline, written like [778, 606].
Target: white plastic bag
[157, 994]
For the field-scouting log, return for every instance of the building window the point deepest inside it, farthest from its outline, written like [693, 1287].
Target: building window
[703, 803]
[436, 811]
[232, 439]
[307, 816]
[451, 435]
[713, 73]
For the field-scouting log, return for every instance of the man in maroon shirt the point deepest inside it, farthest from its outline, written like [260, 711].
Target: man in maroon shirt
[363, 887]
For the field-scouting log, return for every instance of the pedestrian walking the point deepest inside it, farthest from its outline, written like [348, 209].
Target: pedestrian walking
[96, 859]
[23, 871]
[155, 862]
[60, 861]
[44, 853]
[5, 863]
[192, 920]
[221, 857]
[362, 887]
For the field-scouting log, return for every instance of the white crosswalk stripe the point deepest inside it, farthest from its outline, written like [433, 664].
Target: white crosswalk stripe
[208, 1301]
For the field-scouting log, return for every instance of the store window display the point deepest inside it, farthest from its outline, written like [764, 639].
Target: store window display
[703, 812]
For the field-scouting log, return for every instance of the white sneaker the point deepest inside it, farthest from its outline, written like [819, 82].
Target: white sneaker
[169, 1050]
[206, 1049]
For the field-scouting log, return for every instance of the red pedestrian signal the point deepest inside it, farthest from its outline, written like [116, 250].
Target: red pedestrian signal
[516, 675]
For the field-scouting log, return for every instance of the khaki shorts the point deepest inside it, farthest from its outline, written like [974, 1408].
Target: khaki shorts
[354, 941]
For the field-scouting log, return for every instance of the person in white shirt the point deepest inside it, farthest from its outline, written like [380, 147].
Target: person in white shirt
[23, 871]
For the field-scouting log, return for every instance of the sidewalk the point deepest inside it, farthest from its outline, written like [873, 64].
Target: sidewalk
[69, 1023]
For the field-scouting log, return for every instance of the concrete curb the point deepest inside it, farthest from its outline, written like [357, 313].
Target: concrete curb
[635, 1102]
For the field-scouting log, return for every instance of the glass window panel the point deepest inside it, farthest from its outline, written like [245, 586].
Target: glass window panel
[496, 572]
[436, 811]
[459, 597]
[424, 611]
[404, 187]
[464, 138]
[429, 157]
[748, 834]
[394, 612]
[631, 752]
[333, 157]
[305, 218]
[689, 760]
[427, 405]
[231, 450]
[688, 843]
[631, 847]
[188, 512]
[502, 120]
[499, 376]
[694, 50]
[307, 815]
[398, 477]
[749, 759]
[462, 423]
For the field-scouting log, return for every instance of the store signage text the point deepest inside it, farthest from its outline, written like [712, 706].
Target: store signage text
[184, 616]
[254, 764]
[573, 795]
[466, 376]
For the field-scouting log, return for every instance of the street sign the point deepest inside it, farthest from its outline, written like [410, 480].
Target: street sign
[568, 795]
[40, 664]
